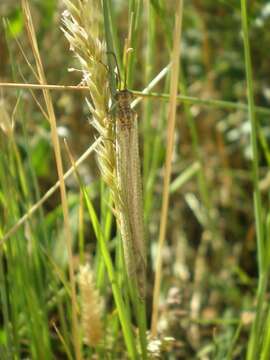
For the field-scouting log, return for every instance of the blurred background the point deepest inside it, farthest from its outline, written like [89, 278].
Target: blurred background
[210, 262]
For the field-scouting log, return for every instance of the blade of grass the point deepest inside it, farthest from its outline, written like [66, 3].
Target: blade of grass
[185, 176]
[135, 15]
[254, 341]
[150, 59]
[47, 195]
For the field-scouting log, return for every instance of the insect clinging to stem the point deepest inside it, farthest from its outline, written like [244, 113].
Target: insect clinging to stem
[128, 171]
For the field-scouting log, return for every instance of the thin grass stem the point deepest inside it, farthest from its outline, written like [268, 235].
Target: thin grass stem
[59, 165]
[218, 104]
[254, 341]
[168, 163]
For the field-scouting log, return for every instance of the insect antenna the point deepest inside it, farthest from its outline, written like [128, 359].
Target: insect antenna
[118, 74]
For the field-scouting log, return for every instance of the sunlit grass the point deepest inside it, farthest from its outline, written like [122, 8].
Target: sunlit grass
[44, 312]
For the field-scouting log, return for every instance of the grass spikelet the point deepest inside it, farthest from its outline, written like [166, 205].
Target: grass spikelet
[82, 24]
[6, 125]
[91, 307]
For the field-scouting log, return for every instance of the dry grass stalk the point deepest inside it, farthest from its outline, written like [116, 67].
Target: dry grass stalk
[91, 307]
[168, 164]
[59, 165]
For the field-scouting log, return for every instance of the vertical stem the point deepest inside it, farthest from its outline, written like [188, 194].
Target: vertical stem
[109, 43]
[148, 105]
[120, 305]
[59, 165]
[135, 11]
[254, 345]
[254, 145]
[168, 164]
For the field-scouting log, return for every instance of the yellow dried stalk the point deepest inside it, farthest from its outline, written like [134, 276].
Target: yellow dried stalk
[91, 307]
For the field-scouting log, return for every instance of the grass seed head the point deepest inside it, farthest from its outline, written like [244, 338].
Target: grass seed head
[91, 307]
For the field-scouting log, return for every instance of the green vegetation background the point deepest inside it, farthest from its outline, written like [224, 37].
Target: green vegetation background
[219, 274]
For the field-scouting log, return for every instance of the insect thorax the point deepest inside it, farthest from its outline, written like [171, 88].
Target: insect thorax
[125, 115]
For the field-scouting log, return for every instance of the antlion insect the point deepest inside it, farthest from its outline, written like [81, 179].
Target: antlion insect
[130, 189]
